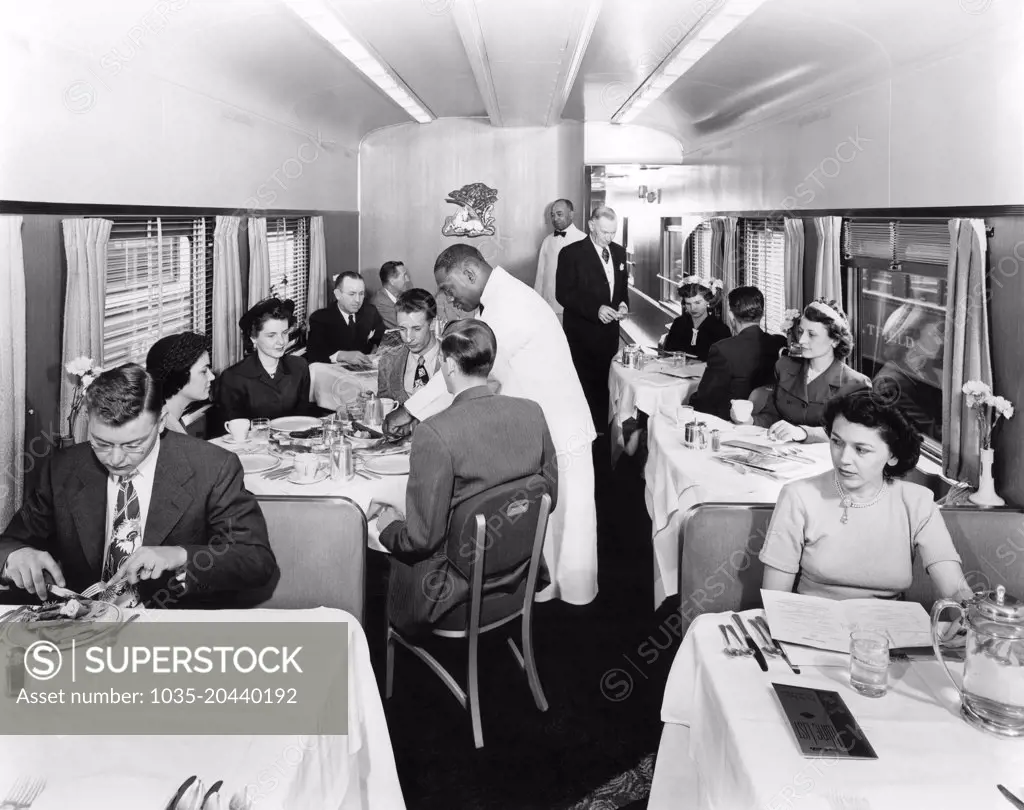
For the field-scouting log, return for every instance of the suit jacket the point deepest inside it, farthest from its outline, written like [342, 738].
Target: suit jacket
[480, 441]
[736, 366]
[328, 332]
[246, 391]
[680, 335]
[391, 374]
[199, 502]
[386, 307]
[581, 287]
[802, 404]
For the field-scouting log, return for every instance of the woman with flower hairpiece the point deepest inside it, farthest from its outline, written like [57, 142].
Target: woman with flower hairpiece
[697, 329]
[795, 409]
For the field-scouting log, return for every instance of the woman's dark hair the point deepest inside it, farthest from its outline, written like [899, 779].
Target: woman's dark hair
[837, 330]
[471, 344]
[417, 300]
[875, 408]
[272, 309]
[693, 290]
[170, 360]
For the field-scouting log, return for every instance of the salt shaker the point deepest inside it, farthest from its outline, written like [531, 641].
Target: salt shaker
[702, 436]
[716, 440]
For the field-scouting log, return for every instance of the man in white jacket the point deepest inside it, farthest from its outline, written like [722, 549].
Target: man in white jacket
[533, 362]
[564, 233]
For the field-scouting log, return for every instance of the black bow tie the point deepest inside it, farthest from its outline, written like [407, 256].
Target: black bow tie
[559, 233]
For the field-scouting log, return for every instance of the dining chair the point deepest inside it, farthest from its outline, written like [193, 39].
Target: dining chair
[503, 529]
[320, 546]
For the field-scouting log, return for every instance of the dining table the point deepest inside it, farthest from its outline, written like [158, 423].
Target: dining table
[332, 385]
[678, 477]
[355, 771]
[726, 742]
[663, 383]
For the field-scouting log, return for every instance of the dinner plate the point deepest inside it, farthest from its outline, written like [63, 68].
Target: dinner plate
[321, 475]
[290, 423]
[102, 620]
[258, 462]
[397, 464]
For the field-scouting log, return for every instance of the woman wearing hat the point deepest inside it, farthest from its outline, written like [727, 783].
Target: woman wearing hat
[180, 365]
[697, 328]
[268, 383]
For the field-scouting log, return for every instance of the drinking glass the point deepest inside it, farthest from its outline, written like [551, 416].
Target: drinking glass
[355, 409]
[869, 663]
[260, 430]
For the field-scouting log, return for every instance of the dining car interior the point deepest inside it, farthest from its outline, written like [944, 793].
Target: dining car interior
[557, 404]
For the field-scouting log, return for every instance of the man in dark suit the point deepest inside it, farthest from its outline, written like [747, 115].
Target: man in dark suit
[167, 518]
[350, 330]
[741, 363]
[394, 280]
[591, 283]
[480, 441]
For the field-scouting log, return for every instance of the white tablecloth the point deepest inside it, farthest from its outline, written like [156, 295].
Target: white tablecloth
[287, 772]
[678, 478]
[647, 390]
[747, 757]
[331, 386]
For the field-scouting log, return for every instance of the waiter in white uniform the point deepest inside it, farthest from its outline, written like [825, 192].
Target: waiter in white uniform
[565, 233]
[533, 362]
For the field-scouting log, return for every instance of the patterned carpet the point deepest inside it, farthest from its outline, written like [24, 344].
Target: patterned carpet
[629, 788]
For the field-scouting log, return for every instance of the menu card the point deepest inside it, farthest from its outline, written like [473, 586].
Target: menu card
[826, 624]
[822, 724]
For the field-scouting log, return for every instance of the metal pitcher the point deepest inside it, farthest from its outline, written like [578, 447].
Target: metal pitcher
[992, 694]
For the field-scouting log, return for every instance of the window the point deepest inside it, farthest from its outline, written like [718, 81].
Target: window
[684, 257]
[159, 282]
[288, 239]
[899, 269]
[764, 246]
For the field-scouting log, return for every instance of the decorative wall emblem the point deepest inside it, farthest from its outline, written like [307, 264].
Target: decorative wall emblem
[475, 201]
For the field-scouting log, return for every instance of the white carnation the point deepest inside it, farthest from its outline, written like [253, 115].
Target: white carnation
[79, 366]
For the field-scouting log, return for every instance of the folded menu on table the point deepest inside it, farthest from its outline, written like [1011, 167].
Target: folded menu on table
[827, 623]
[822, 723]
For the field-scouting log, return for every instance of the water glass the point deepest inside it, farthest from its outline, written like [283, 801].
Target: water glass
[260, 430]
[355, 409]
[869, 663]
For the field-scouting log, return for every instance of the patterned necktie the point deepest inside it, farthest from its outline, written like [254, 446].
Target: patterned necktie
[126, 532]
[422, 378]
[605, 255]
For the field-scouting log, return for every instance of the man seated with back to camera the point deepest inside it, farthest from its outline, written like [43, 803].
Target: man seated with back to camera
[166, 521]
[479, 442]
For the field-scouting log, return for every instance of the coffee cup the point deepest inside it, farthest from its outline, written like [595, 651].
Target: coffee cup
[307, 466]
[742, 411]
[238, 428]
[387, 405]
[684, 415]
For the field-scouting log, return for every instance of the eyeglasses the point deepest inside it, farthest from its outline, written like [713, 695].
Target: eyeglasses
[133, 448]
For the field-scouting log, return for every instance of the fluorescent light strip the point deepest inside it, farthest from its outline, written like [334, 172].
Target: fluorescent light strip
[319, 16]
[708, 32]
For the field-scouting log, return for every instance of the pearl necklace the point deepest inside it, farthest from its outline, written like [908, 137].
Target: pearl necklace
[846, 501]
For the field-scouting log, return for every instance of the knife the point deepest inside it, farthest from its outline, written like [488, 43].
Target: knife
[374, 433]
[762, 626]
[758, 655]
[1011, 798]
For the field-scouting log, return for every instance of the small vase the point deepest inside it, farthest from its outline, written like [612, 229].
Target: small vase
[986, 494]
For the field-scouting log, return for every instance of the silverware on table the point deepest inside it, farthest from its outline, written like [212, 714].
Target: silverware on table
[758, 655]
[1011, 798]
[777, 649]
[739, 650]
[23, 792]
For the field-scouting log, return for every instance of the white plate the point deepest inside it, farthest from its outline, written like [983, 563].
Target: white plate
[388, 465]
[258, 462]
[321, 475]
[290, 423]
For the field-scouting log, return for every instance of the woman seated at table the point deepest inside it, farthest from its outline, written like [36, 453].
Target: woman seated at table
[795, 409]
[180, 365]
[697, 328]
[854, 532]
[268, 383]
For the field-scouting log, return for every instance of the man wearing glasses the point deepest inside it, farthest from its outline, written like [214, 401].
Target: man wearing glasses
[164, 521]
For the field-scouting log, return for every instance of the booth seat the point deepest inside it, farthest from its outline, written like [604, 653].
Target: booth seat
[719, 543]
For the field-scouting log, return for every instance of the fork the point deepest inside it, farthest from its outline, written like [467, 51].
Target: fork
[740, 649]
[24, 791]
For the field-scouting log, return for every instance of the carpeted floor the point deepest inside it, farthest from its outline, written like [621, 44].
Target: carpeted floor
[603, 668]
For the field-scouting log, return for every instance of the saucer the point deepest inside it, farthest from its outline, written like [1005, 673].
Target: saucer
[321, 475]
[388, 465]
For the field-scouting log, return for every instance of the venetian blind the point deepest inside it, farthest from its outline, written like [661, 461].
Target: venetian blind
[764, 244]
[897, 241]
[288, 240]
[159, 282]
[700, 251]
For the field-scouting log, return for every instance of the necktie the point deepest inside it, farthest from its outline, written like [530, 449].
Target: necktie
[559, 233]
[605, 255]
[421, 378]
[126, 531]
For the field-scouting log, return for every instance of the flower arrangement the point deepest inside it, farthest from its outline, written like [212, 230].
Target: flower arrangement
[86, 372]
[789, 317]
[990, 408]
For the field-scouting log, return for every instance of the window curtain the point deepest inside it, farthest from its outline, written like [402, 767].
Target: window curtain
[12, 367]
[259, 260]
[85, 244]
[316, 289]
[828, 271]
[966, 347]
[730, 266]
[793, 260]
[227, 293]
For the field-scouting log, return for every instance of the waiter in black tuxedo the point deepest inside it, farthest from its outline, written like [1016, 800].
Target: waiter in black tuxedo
[591, 284]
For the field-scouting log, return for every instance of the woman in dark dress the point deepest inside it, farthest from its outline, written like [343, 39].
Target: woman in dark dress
[268, 383]
[697, 328]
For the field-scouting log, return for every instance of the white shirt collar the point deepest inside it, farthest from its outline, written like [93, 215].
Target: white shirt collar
[147, 469]
[387, 292]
